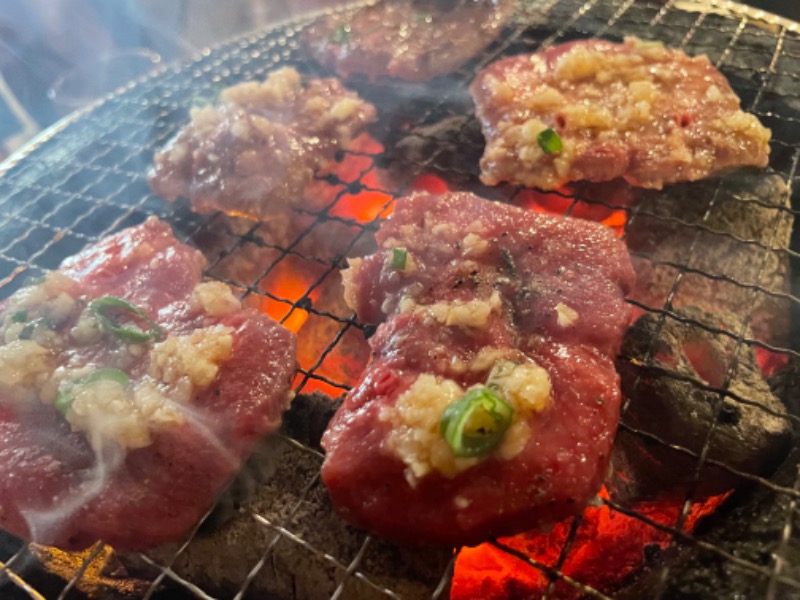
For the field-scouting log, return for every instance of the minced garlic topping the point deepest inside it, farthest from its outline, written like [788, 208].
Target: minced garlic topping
[458, 313]
[106, 410]
[24, 368]
[415, 435]
[566, 316]
[109, 412]
[214, 298]
[196, 356]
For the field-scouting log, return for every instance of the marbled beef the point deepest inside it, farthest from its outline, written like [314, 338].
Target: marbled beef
[476, 295]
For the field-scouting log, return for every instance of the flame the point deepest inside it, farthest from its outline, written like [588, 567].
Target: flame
[608, 546]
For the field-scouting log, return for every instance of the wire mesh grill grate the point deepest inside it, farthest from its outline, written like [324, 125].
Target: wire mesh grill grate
[87, 179]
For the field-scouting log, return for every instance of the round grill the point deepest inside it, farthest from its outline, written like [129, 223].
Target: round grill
[86, 178]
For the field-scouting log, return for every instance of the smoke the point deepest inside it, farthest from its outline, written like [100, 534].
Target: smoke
[108, 469]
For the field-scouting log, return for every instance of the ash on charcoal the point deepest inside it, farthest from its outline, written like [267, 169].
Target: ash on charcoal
[663, 370]
[691, 242]
[751, 531]
[305, 421]
[295, 499]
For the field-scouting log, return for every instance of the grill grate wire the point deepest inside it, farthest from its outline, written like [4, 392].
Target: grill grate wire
[86, 179]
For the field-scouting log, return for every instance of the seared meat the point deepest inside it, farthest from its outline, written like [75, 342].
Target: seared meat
[129, 393]
[635, 110]
[416, 40]
[254, 152]
[662, 368]
[486, 297]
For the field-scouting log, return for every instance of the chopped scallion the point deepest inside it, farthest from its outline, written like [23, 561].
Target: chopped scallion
[67, 395]
[20, 316]
[342, 34]
[27, 332]
[422, 16]
[399, 258]
[110, 310]
[475, 424]
[549, 141]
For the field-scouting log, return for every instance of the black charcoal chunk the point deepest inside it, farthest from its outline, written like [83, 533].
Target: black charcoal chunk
[671, 373]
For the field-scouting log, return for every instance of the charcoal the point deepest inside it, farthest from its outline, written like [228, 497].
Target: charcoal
[452, 146]
[751, 529]
[311, 563]
[308, 417]
[670, 373]
[707, 244]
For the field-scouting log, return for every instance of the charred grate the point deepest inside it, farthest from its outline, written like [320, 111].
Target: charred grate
[86, 178]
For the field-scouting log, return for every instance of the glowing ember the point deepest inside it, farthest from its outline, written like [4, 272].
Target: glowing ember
[770, 362]
[101, 575]
[561, 202]
[428, 182]
[608, 547]
[357, 192]
[288, 282]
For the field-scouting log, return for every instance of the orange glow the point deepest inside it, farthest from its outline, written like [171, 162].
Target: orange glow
[560, 203]
[288, 283]
[357, 165]
[367, 204]
[428, 182]
[770, 362]
[313, 384]
[608, 546]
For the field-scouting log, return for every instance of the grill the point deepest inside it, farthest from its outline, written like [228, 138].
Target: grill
[85, 178]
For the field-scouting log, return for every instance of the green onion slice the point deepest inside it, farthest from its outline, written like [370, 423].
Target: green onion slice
[20, 316]
[422, 16]
[118, 316]
[27, 332]
[209, 99]
[475, 424]
[549, 142]
[399, 258]
[67, 395]
[342, 34]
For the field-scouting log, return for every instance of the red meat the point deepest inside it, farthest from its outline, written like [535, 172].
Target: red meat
[415, 41]
[561, 284]
[637, 110]
[58, 488]
[253, 152]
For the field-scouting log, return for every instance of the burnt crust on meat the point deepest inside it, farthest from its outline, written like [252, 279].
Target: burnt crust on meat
[416, 40]
[253, 153]
[671, 369]
[638, 110]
